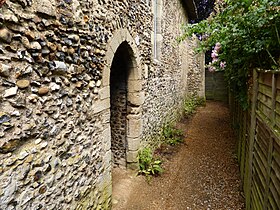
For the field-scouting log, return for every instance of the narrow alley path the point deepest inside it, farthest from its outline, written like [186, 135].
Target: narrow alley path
[202, 174]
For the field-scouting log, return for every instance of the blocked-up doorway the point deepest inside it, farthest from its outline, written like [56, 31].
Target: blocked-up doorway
[126, 100]
[118, 88]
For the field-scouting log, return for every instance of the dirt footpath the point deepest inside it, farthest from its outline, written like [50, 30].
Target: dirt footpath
[201, 174]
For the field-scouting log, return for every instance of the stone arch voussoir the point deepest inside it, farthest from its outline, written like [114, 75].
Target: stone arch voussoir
[120, 36]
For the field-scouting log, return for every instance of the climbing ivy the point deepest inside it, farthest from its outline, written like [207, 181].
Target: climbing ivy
[242, 34]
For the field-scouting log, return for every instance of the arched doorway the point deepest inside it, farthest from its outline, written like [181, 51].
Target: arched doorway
[120, 68]
[124, 80]
[126, 99]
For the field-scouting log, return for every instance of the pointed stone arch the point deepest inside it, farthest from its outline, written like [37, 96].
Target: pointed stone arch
[122, 44]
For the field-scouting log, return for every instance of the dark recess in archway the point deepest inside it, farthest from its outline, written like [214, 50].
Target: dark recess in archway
[120, 68]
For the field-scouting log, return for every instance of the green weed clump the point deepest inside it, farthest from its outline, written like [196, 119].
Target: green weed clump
[192, 103]
[148, 165]
[172, 135]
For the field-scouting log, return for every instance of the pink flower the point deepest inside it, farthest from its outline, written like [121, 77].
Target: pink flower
[214, 54]
[217, 47]
[212, 68]
[223, 65]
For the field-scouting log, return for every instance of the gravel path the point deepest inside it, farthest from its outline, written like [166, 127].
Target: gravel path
[200, 174]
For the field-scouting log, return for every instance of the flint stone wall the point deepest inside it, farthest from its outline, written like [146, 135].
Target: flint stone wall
[178, 73]
[55, 105]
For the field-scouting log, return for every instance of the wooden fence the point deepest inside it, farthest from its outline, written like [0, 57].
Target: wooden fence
[258, 130]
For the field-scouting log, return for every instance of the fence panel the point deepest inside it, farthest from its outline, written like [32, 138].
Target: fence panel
[259, 141]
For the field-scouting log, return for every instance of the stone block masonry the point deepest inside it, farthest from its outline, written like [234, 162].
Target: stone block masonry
[55, 96]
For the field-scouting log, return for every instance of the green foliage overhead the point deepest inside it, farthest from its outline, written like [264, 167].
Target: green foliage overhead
[248, 33]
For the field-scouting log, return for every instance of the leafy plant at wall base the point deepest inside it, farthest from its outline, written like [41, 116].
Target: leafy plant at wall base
[171, 135]
[248, 33]
[191, 103]
[147, 164]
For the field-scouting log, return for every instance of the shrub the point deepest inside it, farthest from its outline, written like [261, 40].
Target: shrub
[242, 35]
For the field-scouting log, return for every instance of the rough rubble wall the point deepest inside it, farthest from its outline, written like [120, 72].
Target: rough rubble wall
[53, 153]
[118, 125]
[168, 82]
[53, 130]
[196, 70]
